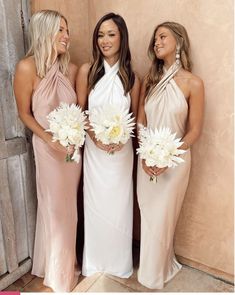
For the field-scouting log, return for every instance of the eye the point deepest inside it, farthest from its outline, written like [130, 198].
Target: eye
[163, 37]
[112, 34]
[100, 35]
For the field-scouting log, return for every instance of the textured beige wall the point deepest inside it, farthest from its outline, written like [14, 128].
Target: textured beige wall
[204, 236]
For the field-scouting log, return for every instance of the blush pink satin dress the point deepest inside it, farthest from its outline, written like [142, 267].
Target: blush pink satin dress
[57, 184]
[160, 203]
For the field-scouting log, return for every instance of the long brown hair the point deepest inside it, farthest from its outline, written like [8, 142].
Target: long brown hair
[125, 73]
[182, 40]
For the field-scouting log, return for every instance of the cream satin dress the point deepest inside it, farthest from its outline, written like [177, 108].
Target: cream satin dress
[108, 192]
[160, 203]
[57, 183]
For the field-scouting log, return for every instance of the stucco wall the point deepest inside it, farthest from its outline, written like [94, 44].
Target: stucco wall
[204, 235]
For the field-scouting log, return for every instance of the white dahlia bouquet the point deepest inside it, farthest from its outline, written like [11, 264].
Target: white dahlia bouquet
[67, 125]
[159, 148]
[111, 124]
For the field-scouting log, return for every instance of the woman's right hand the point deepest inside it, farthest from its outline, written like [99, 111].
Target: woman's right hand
[100, 145]
[149, 170]
[55, 145]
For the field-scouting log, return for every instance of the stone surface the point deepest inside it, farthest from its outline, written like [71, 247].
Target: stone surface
[187, 280]
[84, 283]
[106, 284]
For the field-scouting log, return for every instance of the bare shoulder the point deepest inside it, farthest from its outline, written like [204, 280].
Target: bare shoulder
[73, 69]
[144, 82]
[84, 69]
[196, 82]
[193, 80]
[26, 66]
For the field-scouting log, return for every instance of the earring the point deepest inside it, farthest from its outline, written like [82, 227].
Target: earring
[177, 55]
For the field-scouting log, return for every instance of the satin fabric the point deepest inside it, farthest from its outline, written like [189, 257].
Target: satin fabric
[57, 183]
[160, 203]
[108, 195]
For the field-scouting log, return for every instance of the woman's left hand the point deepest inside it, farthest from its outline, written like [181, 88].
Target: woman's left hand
[70, 149]
[159, 171]
[115, 148]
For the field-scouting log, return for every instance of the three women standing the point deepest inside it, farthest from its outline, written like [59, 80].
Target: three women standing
[108, 190]
[42, 80]
[171, 96]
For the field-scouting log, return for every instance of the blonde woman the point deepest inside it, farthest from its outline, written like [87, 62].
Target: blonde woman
[171, 96]
[43, 79]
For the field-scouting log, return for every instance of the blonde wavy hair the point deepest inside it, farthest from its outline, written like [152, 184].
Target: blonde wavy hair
[182, 40]
[43, 27]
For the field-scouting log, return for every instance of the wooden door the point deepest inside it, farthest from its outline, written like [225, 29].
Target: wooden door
[17, 181]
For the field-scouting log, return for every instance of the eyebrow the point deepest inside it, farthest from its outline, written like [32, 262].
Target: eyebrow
[110, 31]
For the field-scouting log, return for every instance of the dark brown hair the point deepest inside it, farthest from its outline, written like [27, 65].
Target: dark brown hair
[125, 73]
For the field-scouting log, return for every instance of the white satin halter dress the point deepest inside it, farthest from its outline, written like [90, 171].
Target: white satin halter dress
[108, 192]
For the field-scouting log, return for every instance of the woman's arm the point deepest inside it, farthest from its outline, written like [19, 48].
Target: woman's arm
[25, 76]
[134, 93]
[141, 120]
[82, 94]
[196, 111]
[72, 75]
[82, 85]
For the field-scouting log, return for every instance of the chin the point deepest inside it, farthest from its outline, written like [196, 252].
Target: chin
[62, 51]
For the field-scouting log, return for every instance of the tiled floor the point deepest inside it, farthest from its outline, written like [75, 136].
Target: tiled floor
[187, 280]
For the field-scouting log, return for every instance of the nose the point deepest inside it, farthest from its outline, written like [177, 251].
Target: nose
[105, 39]
[66, 35]
[156, 42]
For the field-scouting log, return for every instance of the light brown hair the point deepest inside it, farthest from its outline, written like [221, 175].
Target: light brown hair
[182, 40]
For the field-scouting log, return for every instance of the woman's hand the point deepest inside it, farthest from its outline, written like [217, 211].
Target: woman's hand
[109, 148]
[152, 171]
[148, 169]
[55, 145]
[115, 148]
[159, 171]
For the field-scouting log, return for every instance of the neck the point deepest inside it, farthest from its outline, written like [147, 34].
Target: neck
[169, 62]
[111, 60]
[54, 56]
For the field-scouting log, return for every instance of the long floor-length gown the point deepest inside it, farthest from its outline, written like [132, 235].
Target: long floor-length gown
[108, 195]
[57, 183]
[160, 203]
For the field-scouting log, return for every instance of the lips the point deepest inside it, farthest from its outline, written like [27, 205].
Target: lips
[63, 43]
[106, 48]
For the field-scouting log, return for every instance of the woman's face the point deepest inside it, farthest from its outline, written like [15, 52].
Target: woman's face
[62, 38]
[165, 44]
[109, 39]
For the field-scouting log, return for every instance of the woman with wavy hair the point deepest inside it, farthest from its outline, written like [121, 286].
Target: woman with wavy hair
[108, 195]
[43, 79]
[171, 96]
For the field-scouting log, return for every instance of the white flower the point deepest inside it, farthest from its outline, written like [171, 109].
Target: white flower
[67, 125]
[76, 156]
[111, 124]
[160, 147]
